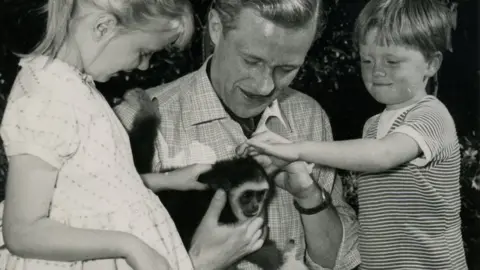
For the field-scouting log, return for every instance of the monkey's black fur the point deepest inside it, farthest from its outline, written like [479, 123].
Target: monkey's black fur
[142, 138]
[187, 208]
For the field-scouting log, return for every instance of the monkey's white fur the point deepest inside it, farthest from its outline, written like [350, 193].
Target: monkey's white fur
[233, 198]
[290, 262]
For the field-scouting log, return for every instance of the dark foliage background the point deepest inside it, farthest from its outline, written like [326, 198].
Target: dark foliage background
[330, 75]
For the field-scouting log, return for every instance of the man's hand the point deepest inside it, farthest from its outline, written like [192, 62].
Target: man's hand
[293, 178]
[217, 246]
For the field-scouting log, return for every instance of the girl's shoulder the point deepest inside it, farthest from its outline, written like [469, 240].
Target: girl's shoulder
[50, 71]
[51, 79]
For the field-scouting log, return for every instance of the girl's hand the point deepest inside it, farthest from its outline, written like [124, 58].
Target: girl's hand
[141, 256]
[186, 178]
[178, 179]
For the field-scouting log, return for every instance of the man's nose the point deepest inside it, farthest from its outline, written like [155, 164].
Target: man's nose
[265, 83]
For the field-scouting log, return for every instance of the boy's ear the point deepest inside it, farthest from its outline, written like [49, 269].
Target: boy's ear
[434, 64]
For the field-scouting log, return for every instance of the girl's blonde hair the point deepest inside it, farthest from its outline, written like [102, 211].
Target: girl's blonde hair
[145, 15]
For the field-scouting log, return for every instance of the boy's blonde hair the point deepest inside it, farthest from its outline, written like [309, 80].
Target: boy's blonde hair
[286, 13]
[145, 15]
[424, 25]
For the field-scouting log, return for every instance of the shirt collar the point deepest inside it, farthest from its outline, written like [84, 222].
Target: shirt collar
[271, 111]
[201, 101]
[203, 104]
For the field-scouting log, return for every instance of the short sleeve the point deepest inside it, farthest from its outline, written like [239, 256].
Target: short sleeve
[367, 125]
[37, 125]
[432, 127]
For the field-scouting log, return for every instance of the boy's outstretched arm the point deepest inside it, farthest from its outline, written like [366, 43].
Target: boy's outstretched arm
[371, 155]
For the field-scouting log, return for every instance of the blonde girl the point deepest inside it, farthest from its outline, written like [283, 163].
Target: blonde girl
[74, 199]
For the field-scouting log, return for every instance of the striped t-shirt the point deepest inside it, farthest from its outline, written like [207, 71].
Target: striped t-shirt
[410, 215]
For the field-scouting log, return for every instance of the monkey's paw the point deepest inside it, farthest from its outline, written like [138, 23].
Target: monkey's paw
[141, 102]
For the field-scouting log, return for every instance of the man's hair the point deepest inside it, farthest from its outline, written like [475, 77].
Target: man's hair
[285, 13]
[424, 25]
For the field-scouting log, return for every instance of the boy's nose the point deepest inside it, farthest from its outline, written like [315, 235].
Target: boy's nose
[379, 73]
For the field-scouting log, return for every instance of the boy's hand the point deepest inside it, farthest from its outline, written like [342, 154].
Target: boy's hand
[281, 151]
[284, 151]
[279, 157]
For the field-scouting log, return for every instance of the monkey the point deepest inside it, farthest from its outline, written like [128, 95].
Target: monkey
[290, 261]
[248, 187]
[143, 131]
[249, 191]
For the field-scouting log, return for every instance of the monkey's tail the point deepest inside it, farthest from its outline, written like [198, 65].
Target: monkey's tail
[142, 141]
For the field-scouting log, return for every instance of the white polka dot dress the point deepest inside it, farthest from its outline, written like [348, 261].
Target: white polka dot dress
[55, 113]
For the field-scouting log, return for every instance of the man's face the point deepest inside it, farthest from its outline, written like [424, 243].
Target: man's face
[253, 62]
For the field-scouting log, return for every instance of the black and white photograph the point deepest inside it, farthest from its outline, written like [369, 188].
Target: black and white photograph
[239, 135]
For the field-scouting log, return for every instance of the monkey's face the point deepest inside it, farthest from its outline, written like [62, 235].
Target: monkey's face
[248, 200]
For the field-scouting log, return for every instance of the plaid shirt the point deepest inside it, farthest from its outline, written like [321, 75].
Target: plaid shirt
[195, 128]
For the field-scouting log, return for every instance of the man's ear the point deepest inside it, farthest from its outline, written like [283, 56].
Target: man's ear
[215, 27]
[105, 27]
[434, 64]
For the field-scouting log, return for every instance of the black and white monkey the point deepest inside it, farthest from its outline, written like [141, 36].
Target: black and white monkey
[249, 189]
[143, 131]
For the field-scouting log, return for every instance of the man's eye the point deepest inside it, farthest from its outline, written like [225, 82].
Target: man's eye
[250, 62]
[288, 69]
[392, 62]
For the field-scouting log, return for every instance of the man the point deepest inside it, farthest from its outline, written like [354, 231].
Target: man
[243, 90]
